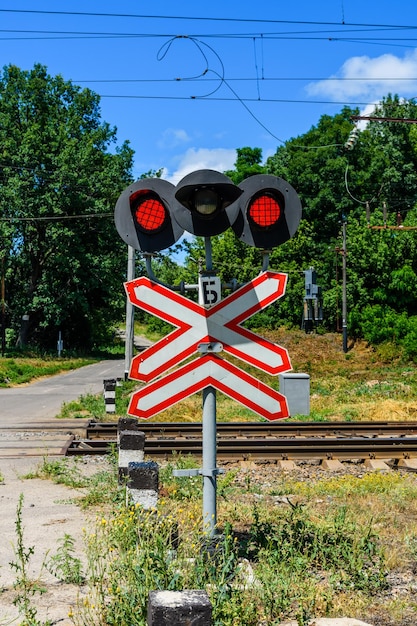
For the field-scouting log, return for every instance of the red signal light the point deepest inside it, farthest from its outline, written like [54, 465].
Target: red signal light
[144, 215]
[269, 211]
[264, 211]
[148, 210]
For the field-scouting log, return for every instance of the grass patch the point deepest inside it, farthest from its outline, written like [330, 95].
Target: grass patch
[300, 564]
[19, 371]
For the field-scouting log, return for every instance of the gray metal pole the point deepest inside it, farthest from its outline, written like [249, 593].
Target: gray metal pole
[129, 338]
[209, 469]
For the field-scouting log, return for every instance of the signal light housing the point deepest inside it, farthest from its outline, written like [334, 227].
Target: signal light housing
[207, 203]
[144, 215]
[269, 211]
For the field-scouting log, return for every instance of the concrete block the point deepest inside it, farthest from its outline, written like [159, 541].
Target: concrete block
[142, 485]
[285, 464]
[182, 608]
[110, 395]
[126, 423]
[407, 463]
[376, 464]
[331, 464]
[131, 450]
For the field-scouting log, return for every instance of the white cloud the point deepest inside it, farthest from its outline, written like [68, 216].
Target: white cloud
[173, 137]
[194, 159]
[383, 74]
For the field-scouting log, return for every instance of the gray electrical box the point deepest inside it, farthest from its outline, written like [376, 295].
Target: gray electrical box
[296, 388]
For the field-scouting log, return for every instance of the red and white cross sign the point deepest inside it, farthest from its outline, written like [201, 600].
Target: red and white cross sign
[200, 373]
[196, 324]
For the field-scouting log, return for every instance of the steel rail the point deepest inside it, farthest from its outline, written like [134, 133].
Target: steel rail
[260, 429]
[267, 449]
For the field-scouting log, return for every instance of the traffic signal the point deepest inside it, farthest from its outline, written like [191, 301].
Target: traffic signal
[207, 203]
[144, 215]
[269, 211]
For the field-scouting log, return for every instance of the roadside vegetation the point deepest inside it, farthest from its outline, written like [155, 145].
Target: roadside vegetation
[366, 383]
[291, 545]
[22, 369]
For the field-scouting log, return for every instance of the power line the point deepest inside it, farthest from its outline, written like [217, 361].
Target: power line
[206, 19]
[52, 218]
[303, 35]
[218, 99]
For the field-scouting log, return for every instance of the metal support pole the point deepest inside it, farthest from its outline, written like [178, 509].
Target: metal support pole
[3, 309]
[129, 337]
[344, 304]
[209, 470]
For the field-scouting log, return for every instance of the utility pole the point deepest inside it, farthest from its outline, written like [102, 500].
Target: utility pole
[344, 304]
[129, 337]
[3, 309]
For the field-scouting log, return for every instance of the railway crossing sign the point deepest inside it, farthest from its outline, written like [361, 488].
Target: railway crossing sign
[197, 324]
[200, 373]
[218, 328]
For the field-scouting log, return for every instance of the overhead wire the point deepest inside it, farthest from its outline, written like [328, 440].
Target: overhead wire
[164, 49]
[203, 19]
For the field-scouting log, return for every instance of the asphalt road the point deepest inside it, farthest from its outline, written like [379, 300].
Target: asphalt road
[42, 400]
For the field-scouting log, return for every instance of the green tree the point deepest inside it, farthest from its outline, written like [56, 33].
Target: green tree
[60, 181]
[373, 188]
[248, 162]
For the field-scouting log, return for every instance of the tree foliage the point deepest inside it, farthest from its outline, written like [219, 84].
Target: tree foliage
[373, 189]
[59, 184]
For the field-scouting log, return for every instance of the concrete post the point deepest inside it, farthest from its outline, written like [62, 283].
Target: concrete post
[110, 395]
[143, 483]
[182, 608]
[131, 450]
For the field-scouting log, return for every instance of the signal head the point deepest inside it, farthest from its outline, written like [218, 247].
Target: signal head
[270, 211]
[207, 203]
[143, 215]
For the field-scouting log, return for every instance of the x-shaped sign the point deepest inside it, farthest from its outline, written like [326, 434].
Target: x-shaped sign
[197, 325]
[200, 373]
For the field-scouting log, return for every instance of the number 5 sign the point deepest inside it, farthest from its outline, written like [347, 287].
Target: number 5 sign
[209, 290]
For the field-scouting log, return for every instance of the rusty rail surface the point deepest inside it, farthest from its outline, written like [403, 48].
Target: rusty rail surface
[261, 429]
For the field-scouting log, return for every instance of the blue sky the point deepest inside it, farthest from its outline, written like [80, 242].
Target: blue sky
[187, 92]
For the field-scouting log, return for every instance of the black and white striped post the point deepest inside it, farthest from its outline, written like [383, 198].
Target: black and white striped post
[142, 485]
[110, 394]
[179, 607]
[131, 442]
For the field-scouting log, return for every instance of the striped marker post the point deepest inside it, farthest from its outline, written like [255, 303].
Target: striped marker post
[110, 394]
[181, 608]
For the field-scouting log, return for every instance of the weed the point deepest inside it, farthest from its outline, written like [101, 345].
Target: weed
[25, 587]
[60, 471]
[181, 488]
[64, 564]
[21, 370]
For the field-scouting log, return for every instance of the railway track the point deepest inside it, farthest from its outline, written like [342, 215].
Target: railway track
[266, 441]
[258, 441]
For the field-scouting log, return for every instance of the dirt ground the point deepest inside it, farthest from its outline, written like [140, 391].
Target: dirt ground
[47, 515]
